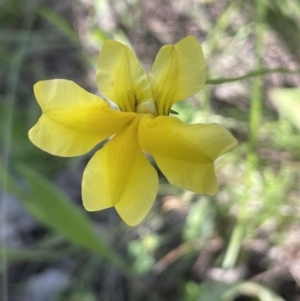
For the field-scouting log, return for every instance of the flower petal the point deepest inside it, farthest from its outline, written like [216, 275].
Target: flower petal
[119, 175]
[185, 153]
[121, 78]
[178, 72]
[73, 120]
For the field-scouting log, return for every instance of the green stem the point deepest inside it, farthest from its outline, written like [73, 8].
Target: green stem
[254, 73]
[234, 246]
[256, 100]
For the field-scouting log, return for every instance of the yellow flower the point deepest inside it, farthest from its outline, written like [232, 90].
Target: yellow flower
[119, 175]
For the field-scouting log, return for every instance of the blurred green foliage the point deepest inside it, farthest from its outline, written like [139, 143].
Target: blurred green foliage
[190, 247]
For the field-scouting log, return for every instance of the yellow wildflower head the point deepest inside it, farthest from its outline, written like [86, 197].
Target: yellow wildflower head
[178, 72]
[118, 175]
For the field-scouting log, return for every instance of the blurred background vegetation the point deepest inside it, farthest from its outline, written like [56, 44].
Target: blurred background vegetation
[241, 244]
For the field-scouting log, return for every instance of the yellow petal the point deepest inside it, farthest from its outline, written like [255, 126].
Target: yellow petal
[73, 120]
[185, 153]
[119, 175]
[178, 72]
[121, 78]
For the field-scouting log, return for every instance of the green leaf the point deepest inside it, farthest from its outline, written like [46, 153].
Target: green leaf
[53, 208]
[34, 255]
[287, 102]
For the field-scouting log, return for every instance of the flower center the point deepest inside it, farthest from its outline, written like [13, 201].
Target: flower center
[147, 106]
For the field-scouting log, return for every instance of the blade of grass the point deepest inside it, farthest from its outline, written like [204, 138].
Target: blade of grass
[9, 98]
[34, 255]
[59, 22]
[234, 247]
[54, 209]
[256, 100]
